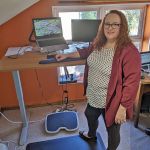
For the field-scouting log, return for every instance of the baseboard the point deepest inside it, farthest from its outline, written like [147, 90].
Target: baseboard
[2, 109]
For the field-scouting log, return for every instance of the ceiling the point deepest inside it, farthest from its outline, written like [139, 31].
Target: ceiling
[10, 8]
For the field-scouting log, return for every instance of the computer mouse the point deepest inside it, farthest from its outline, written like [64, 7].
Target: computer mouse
[51, 56]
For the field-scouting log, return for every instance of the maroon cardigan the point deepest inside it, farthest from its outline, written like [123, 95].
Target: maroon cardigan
[123, 83]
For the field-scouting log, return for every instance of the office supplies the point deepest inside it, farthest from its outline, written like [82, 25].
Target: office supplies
[17, 50]
[48, 34]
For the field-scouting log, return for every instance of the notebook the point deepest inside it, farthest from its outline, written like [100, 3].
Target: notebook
[48, 34]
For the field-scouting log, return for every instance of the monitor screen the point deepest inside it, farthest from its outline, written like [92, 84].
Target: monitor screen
[84, 30]
[47, 27]
[145, 58]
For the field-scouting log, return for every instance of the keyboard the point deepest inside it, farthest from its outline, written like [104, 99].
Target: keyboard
[54, 60]
[50, 42]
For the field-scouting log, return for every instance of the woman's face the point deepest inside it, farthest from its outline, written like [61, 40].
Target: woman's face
[112, 27]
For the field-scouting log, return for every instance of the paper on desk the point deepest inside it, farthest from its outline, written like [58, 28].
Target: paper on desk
[18, 50]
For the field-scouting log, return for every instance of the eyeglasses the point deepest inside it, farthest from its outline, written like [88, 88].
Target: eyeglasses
[113, 25]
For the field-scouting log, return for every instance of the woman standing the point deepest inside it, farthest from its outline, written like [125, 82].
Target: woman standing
[112, 75]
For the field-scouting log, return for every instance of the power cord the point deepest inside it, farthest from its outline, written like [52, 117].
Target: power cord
[31, 36]
[7, 142]
[19, 122]
[14, 122]
[65, 106]
[40, 86]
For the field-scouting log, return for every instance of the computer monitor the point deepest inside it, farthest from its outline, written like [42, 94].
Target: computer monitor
[145, 60]
[47, 27]
[84, 30]
[48, 34]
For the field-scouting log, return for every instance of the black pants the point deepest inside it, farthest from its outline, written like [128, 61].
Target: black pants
[92, 114]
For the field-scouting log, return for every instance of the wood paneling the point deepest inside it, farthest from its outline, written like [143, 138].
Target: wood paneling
[146, 37]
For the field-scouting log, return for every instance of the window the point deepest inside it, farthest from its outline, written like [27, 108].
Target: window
[135, 14]
[66, 20]
[75, 74]
[135, 17]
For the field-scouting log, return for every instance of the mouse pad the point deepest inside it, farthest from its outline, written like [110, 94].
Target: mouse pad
[54, 60]
[68, 143]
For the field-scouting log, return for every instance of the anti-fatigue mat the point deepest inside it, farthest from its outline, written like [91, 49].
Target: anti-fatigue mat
[67, 143]
[67, 120]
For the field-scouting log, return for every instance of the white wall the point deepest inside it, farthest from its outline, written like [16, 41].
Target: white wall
[10, 8]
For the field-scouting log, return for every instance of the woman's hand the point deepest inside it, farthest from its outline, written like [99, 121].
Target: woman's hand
[60, 57]
[121, 115]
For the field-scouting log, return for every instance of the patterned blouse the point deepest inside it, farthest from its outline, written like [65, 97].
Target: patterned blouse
[100, 65]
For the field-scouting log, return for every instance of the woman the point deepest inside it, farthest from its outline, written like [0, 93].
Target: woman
[112, 76]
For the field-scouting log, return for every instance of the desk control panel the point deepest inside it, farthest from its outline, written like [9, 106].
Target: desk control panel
[54, 60]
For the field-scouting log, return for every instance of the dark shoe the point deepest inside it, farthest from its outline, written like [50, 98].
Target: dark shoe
[88, 139]
[147, 131]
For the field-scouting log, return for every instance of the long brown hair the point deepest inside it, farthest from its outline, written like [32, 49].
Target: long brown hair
[123, 38]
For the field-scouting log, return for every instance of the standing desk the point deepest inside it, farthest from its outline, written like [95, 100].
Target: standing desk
[144, 87]
[30, 60]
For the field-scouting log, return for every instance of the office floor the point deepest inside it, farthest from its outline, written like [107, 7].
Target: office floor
[131, 138]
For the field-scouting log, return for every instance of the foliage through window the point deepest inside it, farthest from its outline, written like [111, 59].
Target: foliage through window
[133, 18]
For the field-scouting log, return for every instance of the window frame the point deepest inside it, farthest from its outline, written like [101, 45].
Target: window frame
[57, 9]
[101, 13]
